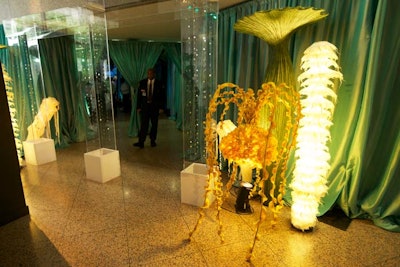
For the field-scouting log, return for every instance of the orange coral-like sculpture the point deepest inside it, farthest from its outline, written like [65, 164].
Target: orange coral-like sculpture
[249, 145]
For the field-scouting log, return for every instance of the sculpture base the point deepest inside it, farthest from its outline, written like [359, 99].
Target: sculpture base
[309, 230]
[193, 182]
[102, 165]
[39, 151]
[242, 205]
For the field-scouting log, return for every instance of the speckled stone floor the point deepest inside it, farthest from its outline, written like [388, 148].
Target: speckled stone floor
[138, 219]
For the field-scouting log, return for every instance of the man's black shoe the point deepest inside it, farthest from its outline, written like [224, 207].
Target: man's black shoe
[153, 144]
[138, 144]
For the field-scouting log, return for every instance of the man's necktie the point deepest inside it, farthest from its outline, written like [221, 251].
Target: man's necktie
[150, 90]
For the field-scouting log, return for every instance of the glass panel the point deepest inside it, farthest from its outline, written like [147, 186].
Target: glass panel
[89, 35]
[94, 69]
[199, 46]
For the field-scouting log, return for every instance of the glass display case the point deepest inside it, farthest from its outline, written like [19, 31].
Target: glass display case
[63, 53]
[199, 24]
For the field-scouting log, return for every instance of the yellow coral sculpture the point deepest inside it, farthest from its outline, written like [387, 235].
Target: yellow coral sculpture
[245, 145]
[41, 124]
[274, 26]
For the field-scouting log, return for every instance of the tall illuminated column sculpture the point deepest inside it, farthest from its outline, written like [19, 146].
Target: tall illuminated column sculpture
[318, 97]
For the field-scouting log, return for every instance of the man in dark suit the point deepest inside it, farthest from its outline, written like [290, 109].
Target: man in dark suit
[150, 99]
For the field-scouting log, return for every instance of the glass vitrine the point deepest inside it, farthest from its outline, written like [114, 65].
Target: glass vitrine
[199, 24]
[63, 53]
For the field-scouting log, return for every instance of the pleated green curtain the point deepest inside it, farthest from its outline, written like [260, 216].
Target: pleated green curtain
[241, 57]
[364, 179]
[26, 98]
[20, 115]
[4, 51]
[132, 59]
[60, 80]
[372, 189]
[173, 51]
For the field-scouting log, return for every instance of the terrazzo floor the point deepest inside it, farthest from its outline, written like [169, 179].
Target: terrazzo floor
[137, 219]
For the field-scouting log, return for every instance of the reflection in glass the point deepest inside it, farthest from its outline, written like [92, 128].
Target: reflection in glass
[63, 53]
[199, 43]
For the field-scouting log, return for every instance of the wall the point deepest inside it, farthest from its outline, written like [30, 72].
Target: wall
[12, 200]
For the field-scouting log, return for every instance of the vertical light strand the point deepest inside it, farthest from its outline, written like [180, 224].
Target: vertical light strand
[318, 98]
[199, 43]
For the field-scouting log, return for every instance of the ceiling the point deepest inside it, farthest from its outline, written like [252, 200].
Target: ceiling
[150, 20]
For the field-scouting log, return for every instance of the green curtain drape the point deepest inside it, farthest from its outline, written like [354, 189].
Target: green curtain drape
[26, 98]
[60, 79]
[132, 59]
[58, 68]
[4, 51]
[241, 57]
[19, 118]
[364, 179]
[372, 190]
[173, 51]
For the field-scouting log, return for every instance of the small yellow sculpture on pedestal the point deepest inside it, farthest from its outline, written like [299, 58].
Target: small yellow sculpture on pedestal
[40, 126]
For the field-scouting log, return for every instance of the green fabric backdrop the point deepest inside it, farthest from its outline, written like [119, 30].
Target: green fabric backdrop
[60, 79]
[364, 180]
[26, 99]
[133, 58]
[173, 51]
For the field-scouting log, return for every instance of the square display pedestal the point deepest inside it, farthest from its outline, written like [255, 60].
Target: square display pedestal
[39, 151]
[102, 165]
[193, 182]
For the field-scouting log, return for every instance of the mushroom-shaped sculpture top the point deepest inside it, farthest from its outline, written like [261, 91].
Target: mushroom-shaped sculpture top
[276, 25]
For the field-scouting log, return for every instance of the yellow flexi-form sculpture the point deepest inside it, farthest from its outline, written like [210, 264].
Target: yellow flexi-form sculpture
[40, 126]
[318, 98]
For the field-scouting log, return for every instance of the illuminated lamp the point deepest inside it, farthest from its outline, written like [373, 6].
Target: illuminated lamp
[318, 98]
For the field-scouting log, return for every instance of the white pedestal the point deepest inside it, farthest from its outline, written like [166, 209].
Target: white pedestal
[39, 151]
[193, 184]
[102, 165]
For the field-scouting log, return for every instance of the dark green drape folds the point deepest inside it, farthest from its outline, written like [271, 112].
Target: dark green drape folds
[26, 100]
[173, 51]
[55, 75]
[20, 116]
[373, 189]
[3, 52]
[365, 167]
[241, 57]
[132, 59]
[60, 79]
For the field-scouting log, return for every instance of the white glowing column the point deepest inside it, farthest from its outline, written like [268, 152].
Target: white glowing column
[318, 97]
